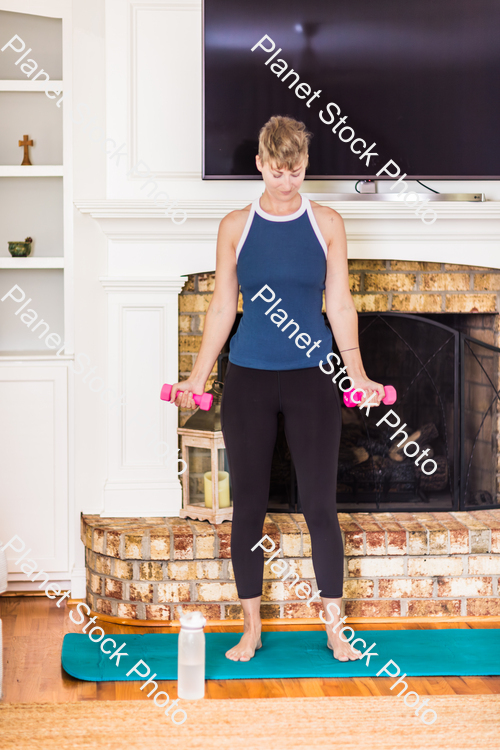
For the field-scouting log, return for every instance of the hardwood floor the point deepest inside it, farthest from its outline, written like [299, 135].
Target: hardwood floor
[33, 630]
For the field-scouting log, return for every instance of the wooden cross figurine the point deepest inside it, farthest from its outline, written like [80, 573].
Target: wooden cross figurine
[25, 142]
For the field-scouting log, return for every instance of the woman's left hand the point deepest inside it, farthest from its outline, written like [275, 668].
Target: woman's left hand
[369, 387]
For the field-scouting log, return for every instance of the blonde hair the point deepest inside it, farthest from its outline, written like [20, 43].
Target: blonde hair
[285, 142]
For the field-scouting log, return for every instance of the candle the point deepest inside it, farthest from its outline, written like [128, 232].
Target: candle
[224, 501]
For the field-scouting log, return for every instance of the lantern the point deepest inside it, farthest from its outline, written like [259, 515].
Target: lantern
[206, 484]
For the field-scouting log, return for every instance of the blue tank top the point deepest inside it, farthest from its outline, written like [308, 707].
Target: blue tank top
[281, 267]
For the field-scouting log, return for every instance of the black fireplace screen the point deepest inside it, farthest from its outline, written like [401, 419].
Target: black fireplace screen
[447, 386]
[479, 424]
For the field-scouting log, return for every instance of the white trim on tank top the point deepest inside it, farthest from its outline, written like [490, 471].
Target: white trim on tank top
[304, 206]
[246, 230]
[287, 217]
[315, 226]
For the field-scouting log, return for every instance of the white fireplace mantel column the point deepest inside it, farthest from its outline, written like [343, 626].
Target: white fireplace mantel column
[142, 329]
[148, 257]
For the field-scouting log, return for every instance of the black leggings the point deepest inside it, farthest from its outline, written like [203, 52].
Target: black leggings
[310, 404]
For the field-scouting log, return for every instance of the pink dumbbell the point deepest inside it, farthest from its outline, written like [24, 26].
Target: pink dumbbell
[389, 398]
[204, 401]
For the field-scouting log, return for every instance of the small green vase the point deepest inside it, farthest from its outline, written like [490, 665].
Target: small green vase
[20, 249]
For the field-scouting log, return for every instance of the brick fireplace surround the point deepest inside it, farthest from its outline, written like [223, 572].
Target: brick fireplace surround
[396, 564]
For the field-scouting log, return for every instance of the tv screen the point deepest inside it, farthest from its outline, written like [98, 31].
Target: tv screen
[415, 82]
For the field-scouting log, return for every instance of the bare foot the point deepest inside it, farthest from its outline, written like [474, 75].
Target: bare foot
[342, 651]
[246, 648]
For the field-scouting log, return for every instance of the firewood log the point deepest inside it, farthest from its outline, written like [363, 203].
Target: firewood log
[424, 435]
[361, 454]
[351, 455]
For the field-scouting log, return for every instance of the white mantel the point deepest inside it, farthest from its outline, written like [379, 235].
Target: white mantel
[464, 232]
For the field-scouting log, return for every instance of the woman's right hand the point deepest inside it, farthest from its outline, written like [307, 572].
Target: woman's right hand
[185, 399]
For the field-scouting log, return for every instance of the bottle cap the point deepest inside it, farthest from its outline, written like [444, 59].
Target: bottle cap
[192, 621]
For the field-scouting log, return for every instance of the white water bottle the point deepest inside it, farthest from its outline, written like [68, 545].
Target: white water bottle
[191, 657]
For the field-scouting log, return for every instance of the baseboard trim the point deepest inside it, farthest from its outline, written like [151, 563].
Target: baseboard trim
[28, 592]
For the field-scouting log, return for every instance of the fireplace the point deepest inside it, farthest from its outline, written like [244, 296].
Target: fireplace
[445, 369]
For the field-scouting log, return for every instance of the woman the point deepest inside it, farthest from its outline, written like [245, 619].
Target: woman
[283, 250]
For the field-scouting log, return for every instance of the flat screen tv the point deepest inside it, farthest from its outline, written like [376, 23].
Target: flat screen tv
[419, 79]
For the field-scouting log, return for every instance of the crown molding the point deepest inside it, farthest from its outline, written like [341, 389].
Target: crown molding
[142, 284]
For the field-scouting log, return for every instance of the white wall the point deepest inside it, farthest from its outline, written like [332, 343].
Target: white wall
[89, 165]
[43, 195]
[31, 114]
[45, 289]
[47, 32]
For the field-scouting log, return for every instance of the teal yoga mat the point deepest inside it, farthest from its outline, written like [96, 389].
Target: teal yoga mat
[292, 654]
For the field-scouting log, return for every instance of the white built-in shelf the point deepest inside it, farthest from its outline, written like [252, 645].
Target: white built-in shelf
[51, 86]
[34, 356]
[31, 263]
[47, 170]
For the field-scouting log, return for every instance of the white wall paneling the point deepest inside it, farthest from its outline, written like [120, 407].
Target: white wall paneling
[34, 458]
[154, 99]
[142, 355]
[157, 31]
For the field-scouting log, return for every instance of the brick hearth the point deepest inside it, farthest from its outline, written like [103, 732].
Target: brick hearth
[396, 564]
